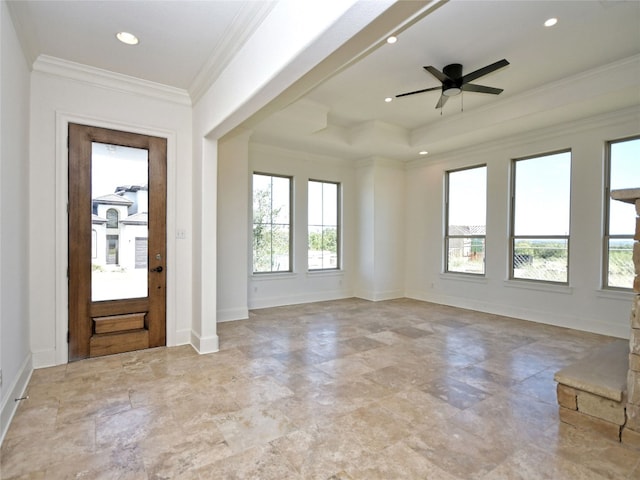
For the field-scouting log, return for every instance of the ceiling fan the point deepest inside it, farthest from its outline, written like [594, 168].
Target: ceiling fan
[453, 82]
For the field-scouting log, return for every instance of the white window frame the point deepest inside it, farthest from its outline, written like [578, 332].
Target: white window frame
[448, 237]
[337, 226]
[607, 209]
[513, 237]
[271, 224]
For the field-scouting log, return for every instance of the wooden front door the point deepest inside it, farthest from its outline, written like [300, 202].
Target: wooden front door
[117, 241]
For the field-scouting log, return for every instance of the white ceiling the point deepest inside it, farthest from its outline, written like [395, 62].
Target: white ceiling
[589, 63]
[183, 43]
[477, 33]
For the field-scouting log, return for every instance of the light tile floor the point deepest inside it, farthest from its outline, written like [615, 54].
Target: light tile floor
[337, 390]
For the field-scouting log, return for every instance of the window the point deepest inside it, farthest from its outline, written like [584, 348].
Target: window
[623, 171]
[94, 244]
[540, 218]
[271, 223]
[466, 212]
[113, 242]
[323, 233]
[112, 218]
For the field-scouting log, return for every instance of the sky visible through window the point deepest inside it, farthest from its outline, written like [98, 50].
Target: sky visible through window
[113, 166]
[323, 203]
[543, 195]
[625, 173]
[468, 197]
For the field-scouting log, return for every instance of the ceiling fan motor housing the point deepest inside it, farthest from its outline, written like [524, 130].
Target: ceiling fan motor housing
[452, 86]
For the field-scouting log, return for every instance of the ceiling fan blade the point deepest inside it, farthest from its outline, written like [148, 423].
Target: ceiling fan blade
[436, 73]
[442, 101]
[419, 91]
[471, 87]
[469, 77]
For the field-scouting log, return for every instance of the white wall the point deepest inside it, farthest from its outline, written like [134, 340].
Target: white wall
[127, 244]
[15, 356]
[85, 98]
[582, 305]
[265, 290]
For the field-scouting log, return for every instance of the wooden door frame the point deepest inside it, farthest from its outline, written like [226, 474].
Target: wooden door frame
[80, 331]
[54, 351]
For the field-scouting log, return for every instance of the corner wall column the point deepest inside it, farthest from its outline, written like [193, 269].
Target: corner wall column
[381, 223]
[204, 337]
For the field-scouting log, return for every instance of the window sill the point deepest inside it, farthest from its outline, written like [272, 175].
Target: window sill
[539, 286]
[325, 273]
[256, 277]
[464, 277]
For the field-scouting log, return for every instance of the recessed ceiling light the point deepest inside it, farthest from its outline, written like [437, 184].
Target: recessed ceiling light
[423, 152]
[392, 39]
[550, 22]
[388, 99]
[128, 38]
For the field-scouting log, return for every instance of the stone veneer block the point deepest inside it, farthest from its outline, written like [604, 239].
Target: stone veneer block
[567, 397]
[587, 422]
[636, 284]
[637, 235]
[634, 341]
[633, 387]
[636, 256]
[631, 438]
[633, 417]
[603, 408]
[603, 373]
[634, 362]
[635, 312]
[628, 195]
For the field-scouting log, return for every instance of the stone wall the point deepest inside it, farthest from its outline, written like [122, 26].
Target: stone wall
[631, 431]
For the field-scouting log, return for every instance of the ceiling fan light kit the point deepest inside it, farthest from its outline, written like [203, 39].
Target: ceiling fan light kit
[454, 83]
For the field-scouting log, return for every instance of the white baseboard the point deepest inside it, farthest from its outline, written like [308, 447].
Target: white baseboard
[558, 320]
[205, 345]
[380, 296]
[16, 390]
[232, 314]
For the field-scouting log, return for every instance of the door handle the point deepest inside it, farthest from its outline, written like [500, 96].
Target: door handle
[157, 269]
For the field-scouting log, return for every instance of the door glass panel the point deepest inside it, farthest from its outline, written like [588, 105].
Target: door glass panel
[119, 221]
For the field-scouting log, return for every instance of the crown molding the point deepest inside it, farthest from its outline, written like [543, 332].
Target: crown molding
[238, 31]
[110, 80]
[625, 116]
